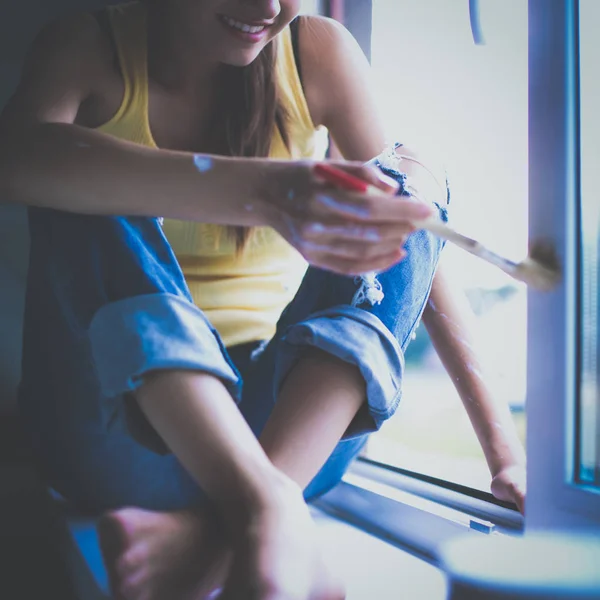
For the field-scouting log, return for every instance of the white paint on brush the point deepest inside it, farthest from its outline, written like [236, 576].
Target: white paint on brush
[203, 163]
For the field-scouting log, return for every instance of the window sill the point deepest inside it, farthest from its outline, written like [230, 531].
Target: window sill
[416, 516]
[478, 504]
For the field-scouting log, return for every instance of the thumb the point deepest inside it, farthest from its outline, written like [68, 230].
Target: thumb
[369, 174]
[373, 175]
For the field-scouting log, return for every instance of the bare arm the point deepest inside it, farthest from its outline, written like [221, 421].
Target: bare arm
[47, 160]
[448, 321]
[207, 432]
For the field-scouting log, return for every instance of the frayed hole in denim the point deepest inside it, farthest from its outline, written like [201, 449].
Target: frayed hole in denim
[369, 292]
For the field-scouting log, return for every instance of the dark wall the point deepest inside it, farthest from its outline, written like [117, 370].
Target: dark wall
[358, 17]
[19, 22]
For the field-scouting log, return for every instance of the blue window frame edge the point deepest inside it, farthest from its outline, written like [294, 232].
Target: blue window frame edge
[555, 500]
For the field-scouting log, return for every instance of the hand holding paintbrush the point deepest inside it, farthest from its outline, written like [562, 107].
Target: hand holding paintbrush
[538, 270]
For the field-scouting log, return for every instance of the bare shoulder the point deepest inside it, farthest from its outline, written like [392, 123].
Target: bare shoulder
[322, 34]
[67, 61]
[331, 58]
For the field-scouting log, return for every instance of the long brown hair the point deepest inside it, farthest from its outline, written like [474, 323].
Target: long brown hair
[250, 110]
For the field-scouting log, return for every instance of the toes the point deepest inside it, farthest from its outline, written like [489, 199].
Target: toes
[131, 561]
[134, 587]
[114, 533]
[120, 560]
[112, 538]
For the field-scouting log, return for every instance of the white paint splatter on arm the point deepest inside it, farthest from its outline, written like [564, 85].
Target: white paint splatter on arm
[203, 163]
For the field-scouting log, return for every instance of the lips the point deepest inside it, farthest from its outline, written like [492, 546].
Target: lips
[243, 26]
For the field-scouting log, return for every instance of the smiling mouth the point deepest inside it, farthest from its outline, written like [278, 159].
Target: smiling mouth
[243, 27]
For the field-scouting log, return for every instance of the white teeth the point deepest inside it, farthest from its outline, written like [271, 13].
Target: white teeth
[243, 26]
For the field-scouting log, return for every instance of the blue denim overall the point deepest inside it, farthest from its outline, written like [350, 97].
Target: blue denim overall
[107, 302]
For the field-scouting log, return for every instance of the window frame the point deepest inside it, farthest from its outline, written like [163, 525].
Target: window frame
[555, 500]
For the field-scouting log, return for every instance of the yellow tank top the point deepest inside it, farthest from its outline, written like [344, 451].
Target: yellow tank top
[242, 296]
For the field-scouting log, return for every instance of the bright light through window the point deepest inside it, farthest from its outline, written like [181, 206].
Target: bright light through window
[589, 423]
[468, 103]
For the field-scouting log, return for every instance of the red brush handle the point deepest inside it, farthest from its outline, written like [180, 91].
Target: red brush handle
[341, 178]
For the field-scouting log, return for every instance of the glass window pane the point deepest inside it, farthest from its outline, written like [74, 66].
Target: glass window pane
[309, 7]
[589, 413]
[469, 104]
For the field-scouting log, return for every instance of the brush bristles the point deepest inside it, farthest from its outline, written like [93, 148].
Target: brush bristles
[537, 275]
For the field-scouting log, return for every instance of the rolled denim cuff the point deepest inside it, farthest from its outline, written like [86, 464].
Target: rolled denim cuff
[356, 337]
[145, 333]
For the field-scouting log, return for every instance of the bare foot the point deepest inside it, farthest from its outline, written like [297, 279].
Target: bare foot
[162, 556]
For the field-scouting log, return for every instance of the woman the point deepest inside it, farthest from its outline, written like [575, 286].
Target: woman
[210, 113]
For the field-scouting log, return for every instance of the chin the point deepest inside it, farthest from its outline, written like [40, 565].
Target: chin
[242, 59]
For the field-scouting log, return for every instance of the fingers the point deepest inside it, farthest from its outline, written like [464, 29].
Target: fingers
[518, 497]
[508, 487]
[352, 268]
[351, 251]
[386, 234]
[370, 174]
[520, 501]
[331, 205]
[348, 232]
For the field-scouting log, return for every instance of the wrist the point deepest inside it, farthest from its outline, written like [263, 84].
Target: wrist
[499, 440]
[505, 453]
[252, 178]
[276, 491]
[277, 186]
[223, 190]
[266, 502]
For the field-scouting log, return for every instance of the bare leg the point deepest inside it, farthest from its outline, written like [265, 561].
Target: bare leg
[152, 556]
[318, 400]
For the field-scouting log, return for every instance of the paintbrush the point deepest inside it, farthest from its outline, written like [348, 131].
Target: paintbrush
[539, 270]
